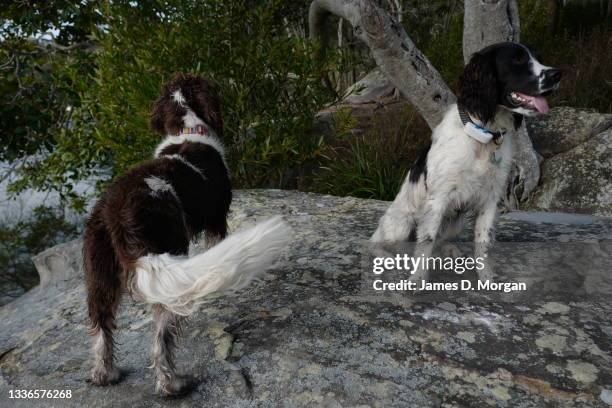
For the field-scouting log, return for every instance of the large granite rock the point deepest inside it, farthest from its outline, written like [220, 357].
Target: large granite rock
[311, 334]
[565, 128]
[578, 180]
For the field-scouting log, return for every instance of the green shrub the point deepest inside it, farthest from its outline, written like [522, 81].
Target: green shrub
[270, 85]
[35, 77]
[437, 30]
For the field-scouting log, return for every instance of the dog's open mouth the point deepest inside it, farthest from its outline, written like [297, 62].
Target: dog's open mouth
[535, 103]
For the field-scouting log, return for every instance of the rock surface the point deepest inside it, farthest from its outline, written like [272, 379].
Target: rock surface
[576, 173]
[310, 335]
[565, 128]
[579, 180]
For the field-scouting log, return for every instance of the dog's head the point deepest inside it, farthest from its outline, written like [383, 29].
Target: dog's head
[182, 98]
[506, 74]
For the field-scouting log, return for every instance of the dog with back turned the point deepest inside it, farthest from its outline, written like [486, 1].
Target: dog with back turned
[137, 236]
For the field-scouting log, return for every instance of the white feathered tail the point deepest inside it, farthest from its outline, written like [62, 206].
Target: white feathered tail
[180, 282]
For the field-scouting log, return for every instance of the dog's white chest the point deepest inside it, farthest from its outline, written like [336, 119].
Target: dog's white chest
[491, 168]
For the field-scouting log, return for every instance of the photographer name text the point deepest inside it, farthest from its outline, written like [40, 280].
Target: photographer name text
[462, 285]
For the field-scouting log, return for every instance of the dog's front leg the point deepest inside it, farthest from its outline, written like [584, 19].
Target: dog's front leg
[167, 327]
[427, 233]
[484, 234]
[450, 229]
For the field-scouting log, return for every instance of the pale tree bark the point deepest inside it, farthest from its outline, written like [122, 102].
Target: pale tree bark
[394, 52]
[489, 22]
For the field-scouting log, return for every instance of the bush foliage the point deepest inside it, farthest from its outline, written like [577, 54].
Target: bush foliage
[270, 84]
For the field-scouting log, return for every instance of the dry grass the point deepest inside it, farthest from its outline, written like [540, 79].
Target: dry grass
[373, 164]
[587, 71]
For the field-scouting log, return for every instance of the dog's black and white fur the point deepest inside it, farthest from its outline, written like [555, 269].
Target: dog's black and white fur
[458, 174]
[137, 236]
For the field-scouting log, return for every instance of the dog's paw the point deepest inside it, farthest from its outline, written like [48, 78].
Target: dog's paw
[450, 250]
[174, 386]
[103, 376]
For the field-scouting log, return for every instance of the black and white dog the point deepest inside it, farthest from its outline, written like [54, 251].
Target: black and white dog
[466, 168]
[137, 236]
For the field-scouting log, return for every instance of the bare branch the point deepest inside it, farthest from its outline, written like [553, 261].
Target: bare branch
[395, 53]
[89, 45]
[8, 171]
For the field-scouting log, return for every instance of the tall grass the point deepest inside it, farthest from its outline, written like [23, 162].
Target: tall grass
[374, 163]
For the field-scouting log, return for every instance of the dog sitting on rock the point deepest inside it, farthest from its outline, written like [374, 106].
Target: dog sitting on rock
[466, 168]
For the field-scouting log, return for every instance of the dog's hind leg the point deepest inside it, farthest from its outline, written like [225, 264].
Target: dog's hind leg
[167, 329]
[399, 221]
[104, 371]
[394, 226]
[102, 273]
[215, 234]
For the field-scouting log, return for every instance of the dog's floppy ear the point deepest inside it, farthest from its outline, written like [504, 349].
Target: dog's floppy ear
[156, 119]
[205, 101]
[478, 87]
[167, 115]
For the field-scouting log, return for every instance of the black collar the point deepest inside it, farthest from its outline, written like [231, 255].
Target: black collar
[465, 118]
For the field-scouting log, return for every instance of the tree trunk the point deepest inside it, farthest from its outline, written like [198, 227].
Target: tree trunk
[486, 23]
[489, 22]
[395, 53]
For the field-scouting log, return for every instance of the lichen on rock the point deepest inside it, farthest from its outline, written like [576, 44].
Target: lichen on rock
[307, 334]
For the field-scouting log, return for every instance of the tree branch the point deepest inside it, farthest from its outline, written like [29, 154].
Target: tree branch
[89, 45]
[395, 53]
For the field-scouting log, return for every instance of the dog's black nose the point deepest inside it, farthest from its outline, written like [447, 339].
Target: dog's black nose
[553, 74]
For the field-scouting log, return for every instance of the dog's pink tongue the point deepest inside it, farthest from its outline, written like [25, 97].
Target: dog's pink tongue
[539, 102]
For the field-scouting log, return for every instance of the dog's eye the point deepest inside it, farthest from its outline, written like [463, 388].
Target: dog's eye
[519, 60]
